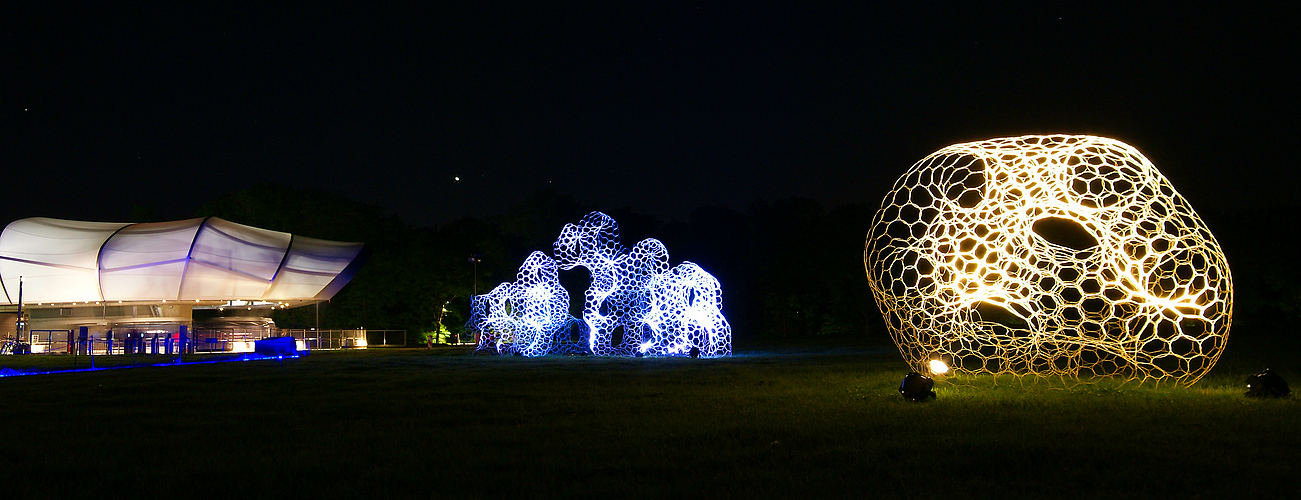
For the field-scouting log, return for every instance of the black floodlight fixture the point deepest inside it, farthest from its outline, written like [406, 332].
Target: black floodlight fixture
[917, 387]
[1267, 384]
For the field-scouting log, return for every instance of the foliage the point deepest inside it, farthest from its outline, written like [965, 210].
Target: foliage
[789, 267]
[410, 271]
[1266, 272]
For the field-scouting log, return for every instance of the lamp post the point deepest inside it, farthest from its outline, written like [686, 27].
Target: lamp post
[21, 325]
[476, 259]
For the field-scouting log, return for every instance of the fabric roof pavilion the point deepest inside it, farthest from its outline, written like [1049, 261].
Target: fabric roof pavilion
[200, 260]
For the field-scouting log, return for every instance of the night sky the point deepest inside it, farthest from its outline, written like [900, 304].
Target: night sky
[649, 105]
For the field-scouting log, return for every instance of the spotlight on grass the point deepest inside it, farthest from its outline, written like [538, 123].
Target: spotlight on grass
[917, 387]
[1267, 384]
[938, 367]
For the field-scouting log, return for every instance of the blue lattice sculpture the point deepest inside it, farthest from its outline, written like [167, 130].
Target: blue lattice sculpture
[685, 313]
[573, 338]
[616, 302]
[491, 319]
[525, 316]
[635, 305]
[541, 305]
[594, 243]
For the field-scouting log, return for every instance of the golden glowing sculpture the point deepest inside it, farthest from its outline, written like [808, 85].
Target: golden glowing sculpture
[1048, 255]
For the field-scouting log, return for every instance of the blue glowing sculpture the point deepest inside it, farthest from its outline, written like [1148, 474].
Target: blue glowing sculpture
[616, 302]
[572, 338]
[685, 315]
[635, 305]
[541, 305]
[594, 243]
[491, 318]
[523, 317]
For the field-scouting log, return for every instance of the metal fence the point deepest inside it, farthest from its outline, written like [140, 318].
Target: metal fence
[348, 339]
[201, 341]
[67, 342]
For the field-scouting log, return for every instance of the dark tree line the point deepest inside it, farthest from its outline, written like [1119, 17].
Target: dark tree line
[788, 268]
[1260, 244]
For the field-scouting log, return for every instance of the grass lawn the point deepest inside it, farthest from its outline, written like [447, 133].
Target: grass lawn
[816, 419]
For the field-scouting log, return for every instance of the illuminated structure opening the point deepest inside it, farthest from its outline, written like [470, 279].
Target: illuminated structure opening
[1048, 255]
[636, 304]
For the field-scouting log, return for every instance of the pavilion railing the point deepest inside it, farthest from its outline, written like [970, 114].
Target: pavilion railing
[203, 341]
[348, 339]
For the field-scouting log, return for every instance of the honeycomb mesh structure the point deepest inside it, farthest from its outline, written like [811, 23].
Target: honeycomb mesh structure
[492, 319]
[523, 317]
[685, 313]
[636, 305]
[1048, 255]
[615, 304]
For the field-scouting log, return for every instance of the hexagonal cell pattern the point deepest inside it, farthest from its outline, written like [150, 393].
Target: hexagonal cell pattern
[636, 304]
[1048, 255]
[523, 317]
[684, 313]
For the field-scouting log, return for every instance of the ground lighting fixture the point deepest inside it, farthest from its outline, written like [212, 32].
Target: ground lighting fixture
[1267, 384]
[917, 387]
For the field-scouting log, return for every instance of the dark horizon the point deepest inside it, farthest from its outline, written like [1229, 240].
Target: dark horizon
[656, 108]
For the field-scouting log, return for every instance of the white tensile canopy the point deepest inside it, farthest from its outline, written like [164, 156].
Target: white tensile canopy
[203, 259]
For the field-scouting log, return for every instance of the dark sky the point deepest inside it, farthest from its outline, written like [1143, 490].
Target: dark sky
[650, 105]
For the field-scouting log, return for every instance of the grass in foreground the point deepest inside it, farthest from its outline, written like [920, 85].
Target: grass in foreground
[780, 421]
